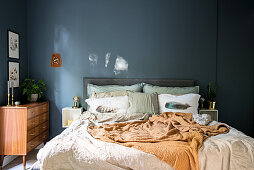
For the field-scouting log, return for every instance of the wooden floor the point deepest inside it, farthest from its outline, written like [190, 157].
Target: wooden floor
[17, 163]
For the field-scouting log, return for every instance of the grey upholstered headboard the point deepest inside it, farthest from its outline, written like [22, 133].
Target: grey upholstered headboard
[131, 81]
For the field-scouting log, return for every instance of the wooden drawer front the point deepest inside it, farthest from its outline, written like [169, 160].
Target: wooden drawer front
[44, 117]
[35, 111]
[31, 134]
[37, 141]
[35, 131]
[44, 126]
[44, 136]
[31, 123]
[31, 113]
[33, 143]
[43, 108]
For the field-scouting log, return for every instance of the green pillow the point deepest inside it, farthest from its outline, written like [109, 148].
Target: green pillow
[111, 88]
[170, 90]
[108, 94]
[143, 103]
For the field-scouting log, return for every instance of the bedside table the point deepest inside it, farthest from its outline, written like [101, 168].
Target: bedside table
[213, 113]
[70, 114]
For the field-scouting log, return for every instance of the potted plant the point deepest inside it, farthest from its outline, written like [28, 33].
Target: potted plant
[211, 96]
[33, 89]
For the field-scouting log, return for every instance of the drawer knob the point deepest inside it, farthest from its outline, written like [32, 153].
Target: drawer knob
[32, 134]
[32, 145]
[44, 127]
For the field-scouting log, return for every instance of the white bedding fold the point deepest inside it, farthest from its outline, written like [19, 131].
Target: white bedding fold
[76, 149]
[233, 151]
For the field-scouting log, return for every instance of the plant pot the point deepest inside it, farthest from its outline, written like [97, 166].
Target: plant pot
[34, 97]
[211, 105]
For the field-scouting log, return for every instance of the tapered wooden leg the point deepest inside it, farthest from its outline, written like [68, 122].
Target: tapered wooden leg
[24, 161]
[1, 161]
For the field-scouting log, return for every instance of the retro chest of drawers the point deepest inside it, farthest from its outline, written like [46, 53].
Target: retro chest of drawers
[23, 128]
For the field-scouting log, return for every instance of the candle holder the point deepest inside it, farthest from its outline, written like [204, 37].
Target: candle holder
[12, 93]
[9, 95]
[12, 102]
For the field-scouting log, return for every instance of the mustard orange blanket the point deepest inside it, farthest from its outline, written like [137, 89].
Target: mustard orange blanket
[172, 137]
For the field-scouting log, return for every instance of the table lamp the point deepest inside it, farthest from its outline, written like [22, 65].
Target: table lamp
[76, 100]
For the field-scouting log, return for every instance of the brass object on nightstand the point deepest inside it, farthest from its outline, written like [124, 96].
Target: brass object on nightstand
[212, 105]
[76, 100]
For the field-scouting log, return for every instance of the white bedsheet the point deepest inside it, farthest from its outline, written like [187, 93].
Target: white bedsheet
[233, 151]
[76, 149]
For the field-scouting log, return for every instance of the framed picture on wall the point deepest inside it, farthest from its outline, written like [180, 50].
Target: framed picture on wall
[13, 44]
[14, 73]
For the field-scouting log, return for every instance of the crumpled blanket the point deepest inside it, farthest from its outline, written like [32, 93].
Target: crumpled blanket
[174, 138]
[76, 149]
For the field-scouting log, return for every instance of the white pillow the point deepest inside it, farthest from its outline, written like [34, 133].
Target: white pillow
[108, 105]
[187, 103]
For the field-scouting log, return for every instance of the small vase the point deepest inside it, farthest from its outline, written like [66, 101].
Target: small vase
[211, 105]
[34, 97]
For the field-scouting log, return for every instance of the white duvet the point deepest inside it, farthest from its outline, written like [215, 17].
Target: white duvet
[76, 149]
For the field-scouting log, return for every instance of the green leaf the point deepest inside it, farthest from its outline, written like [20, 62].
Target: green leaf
[32, 86]
[211, 91]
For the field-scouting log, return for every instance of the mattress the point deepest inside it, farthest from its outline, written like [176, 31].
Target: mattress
[76, 149]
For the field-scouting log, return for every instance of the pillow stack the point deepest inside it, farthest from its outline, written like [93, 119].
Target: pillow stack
[154, 100]
[175, 99]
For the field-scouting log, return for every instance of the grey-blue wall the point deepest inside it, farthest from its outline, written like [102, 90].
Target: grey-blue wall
[236, 64]
[159, 39]
[12, 17]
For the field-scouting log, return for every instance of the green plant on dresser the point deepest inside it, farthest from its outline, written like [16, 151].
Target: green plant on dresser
[33, 89]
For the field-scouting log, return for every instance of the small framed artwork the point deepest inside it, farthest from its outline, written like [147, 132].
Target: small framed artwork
[13, 44]
[56, 60]
[14, 73]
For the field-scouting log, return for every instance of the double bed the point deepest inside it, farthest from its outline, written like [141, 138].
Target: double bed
[75, 148]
